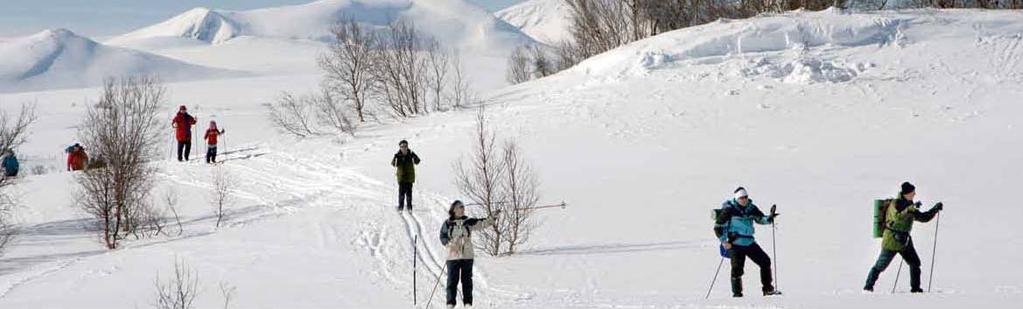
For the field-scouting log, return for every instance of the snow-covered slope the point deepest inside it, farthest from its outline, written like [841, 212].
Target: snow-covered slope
[819, 113]
[61, 59]
[452, 21]
[547, 21]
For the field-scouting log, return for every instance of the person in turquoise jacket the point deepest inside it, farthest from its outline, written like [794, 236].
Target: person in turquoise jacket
[734, 226]
[10, 164]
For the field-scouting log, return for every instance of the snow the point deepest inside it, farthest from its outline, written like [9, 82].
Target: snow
[547, 21]
[61, 59]
[818, 112]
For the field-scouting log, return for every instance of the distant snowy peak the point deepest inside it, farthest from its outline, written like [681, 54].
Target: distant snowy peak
[547, 21]
[199, 23]
[452, 21]
[59, 58]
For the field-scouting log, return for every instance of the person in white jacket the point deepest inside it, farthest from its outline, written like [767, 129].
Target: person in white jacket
[456, 235]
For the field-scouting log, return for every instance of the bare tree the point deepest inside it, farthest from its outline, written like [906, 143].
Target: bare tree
[13, 133]
[294, 115]
[521, 193]
[348, 64]
[227, 291]
[170, 199]
[123, 129]
[332, 113]
[221, 196]
[479, 178]
[461, 91]
[439, 61]
[541, 63]
[180, 291]
[401, 70]
[518, 66]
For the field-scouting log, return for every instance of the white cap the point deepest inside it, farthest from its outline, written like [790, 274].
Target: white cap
[741, 193]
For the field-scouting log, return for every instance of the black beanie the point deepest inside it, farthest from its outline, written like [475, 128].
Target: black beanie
[907, 188]
[402, 142]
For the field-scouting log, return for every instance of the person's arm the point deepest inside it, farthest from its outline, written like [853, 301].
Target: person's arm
[394, 161]
[415, 158]
[759, 217]
[445, 234]
[475, 224]
[929, 215]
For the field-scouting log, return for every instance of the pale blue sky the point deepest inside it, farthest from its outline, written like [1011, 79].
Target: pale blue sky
[112, 17]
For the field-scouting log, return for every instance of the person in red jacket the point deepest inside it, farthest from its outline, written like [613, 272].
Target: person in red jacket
[211, 142]
[183, 122]
[76, 158]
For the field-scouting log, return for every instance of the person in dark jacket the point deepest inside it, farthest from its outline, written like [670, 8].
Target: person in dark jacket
[899, 218]
[734, 226]
[182, 124]
[456, 236]
[405, 162]
[10, 164]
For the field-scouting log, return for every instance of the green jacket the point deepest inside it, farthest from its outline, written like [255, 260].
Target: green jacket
[899, 222]
[406, 166]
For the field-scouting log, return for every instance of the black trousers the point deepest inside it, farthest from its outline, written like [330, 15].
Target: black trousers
[404, 195]
[460, 270]
[755, 253]
[185, 148]
[211, 154]
[908, 254]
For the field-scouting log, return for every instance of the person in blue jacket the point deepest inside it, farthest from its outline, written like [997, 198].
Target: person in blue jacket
[734, 227]
[10, 164]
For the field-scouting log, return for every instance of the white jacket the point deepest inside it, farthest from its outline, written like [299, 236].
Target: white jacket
[456, 235]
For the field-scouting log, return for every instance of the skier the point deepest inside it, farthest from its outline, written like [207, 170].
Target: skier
[10, 164]
[734, 226]
[211, 142]
[76, 157]
[900, 214]
[456, 235]
[405, 162]
[183, 122]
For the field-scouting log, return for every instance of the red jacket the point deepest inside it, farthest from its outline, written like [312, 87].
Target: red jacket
[211, 136]
[76, 160]
[183, 122]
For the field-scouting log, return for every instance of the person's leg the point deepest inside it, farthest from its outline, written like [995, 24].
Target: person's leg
[209, 152]
[214, 158]
[181, 149]
[467, 282]
[913, 260]
[188, 150]
[453, 272]
[401, 196]
[882, 263]
[760, 257]
[408, 196]
[738, 256]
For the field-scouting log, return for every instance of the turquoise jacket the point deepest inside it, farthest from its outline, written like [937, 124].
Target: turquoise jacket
[735, 222]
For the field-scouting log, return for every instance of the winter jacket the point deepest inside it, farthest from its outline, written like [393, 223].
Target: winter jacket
[735, 223]
[183, 122]
[211, 136]
[10, 164]
[456, 235]
[406, 166]
[76, 159]
[899, 222]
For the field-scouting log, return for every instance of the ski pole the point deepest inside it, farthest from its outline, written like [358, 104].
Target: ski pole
[434, 291]
[563, 205]
[774, 255]
[415, 253]
[715, 277]
[897, 277]
[934, 252]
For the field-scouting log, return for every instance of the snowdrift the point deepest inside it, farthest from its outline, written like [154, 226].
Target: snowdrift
[61, 59]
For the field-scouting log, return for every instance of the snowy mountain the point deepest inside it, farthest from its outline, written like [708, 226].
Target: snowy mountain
[61, 59]
[547, 21]
[817, 112]
[452, 21]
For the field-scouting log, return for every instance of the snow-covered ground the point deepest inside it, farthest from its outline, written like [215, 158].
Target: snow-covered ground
[547, 21]
[819, 113]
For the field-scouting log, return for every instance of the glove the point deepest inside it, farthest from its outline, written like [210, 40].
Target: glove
[918, 204]
[774, 213]
[939, 206]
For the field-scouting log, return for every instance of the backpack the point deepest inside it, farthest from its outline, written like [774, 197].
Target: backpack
[716, 215]
[881, 216]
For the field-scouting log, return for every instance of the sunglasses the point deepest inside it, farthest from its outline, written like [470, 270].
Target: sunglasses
[744, 198]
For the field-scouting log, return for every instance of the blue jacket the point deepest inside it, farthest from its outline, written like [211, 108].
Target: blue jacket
[735, 222]
[10, 163]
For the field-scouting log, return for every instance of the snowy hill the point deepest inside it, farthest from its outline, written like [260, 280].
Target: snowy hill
[61, 59]
[452, 21]
[547, 21]
[817, 112]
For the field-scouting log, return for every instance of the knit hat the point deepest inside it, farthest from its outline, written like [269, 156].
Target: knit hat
[182, 108]
[740, 193]
[907, 188]
[451, 210]
[403, 142]
[213, 124]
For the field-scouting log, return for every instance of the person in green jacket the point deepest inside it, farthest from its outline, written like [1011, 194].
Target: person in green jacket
[899, 218]
[405, 162]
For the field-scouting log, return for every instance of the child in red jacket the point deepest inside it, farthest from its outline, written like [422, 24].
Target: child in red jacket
[211, 142]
